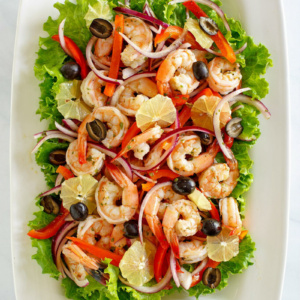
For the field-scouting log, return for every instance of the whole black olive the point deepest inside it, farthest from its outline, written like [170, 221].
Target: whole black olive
[131, 229]
[211, 277]
[58, 157]
[234, 127]
[211, 227]
[183, 185]
[200, 70]
[96, 130]
[206, 139]
[101, 28]
[50, 205]
[208, 25]
[79, 211]
[70, 70]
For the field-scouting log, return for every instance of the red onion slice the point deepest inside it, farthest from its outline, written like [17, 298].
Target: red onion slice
[160, 54]
[69, 123]
[254, 102]
[216, 121]
[54, 190]
[62, 37]
[58, 180]
[237, 108]
[199, 89]
[144, 203]
[220, 54]
[200, 267]
[241, 49]
[185, 46]
[65, 130]
[173, 269]
[148, 10]
[112, 154]
[213, 52]
[143, 177]
[52, 136]
[134, 13]
[99, 64]
[150, 289]
[114, 99]
[185, 278]
[210, 4]
[98, 73]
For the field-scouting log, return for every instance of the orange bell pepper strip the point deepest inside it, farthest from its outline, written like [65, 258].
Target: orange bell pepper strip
[96, 251]
[52, 228]
[116, 55]
[219, 38]
[173, 32]
[243, 234]
[156, 175]
[66, 173]
[179, 100]
[76, 54]
[198, 277]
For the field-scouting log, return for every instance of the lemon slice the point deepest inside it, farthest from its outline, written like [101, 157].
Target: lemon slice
[79, 189]
[99, 10]
[137, 263]
[222, 247]
[201, 37]
[69, 102]
[203, 111]
[157, 110]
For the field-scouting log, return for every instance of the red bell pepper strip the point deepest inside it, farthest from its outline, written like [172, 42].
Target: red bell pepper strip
[116, 55]
[52, 228]
[214, 212]
[219, 38]
[159, 262]
[98, 252]
[76, 54]
[173, 32]
[66, 173]
[156, 175]
[228, 140]
[198, 277]
[180, 100]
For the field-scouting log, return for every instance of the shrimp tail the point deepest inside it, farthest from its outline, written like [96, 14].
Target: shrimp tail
[157, 229]
[164, 88]
[82, 147]
[174, 244]
[117, 175]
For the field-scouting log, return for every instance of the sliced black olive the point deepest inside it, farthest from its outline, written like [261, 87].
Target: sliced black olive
[131, 229]
[50, 205]
[234, 127]
[58, 157]
[101, 28]
[206, 139]
[183, 185]
[200, 70]
[99, 274]
[211, 227]
[208, 25]
[70, 70]
[96, 130]
[79, 211]
[211, 277]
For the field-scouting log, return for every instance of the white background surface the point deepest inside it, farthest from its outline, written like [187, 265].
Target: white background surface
[8, 16]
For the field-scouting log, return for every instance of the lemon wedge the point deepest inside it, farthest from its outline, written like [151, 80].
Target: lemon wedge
[203, 111]
[157, 110]
[99, 10]
[222, 247]
[200, 200]
[201, 37]
[79, 189]
[137, 264]
[69, 102]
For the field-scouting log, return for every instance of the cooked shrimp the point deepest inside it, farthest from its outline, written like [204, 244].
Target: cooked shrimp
[135, 93]
[117, 125]
[191, 251]
[118, 241]
[93, 164]
[224, 76]
[108, 193]
[95, 231]
[140, 143]
[140, 34]
[103, 48]
[176, 73]
[190, 145]
[174, 227]
[230, 214]
[92, 89]
[219, 180]
[155, 209]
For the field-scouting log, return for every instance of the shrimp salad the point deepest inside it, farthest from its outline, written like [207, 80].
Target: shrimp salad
[152, 110]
